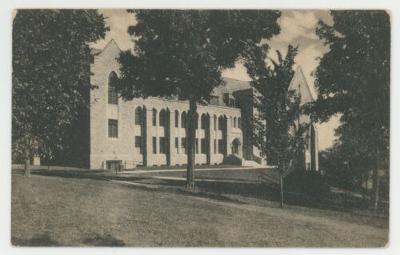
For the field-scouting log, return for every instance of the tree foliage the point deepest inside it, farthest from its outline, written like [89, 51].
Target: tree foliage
[51, 75]
[183, 52]
[278, 131]
[353, 79]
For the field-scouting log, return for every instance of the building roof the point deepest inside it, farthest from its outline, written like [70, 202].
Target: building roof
[230, 85]
[111, 43]
[300, 85]
[95, 51]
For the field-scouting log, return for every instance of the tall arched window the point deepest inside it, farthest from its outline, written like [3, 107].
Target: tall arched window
[220, 122]
[234, 122]
[183, 120]
[163, 118]
[138, 116]
[154, 117]
[203, 120]
[215, 122]
[112, 92]
[176, 119]
[239, 122]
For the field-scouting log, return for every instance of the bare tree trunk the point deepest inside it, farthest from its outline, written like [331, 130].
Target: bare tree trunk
[364, 186]
[27, 170]
[376, 188]
[281, 184]
[191, 140]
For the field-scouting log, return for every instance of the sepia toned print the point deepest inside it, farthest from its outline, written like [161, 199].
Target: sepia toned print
[200, 128]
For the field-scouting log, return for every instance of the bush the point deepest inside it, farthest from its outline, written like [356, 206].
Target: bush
[311, 184]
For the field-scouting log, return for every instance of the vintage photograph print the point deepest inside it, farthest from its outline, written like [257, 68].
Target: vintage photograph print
[200, 128]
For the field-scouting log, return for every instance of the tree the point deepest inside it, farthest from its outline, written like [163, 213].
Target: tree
[183, 52]
[51, 76]
[353, 79]
[340, 170]
[279, 133]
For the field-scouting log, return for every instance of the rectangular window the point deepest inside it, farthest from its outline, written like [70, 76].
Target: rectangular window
[183, 145]
[154, 145]
[138, 143]
[112, 128]
[197, 146]
[203, 146]
[215, 146]
[177, 145]
[163, 145]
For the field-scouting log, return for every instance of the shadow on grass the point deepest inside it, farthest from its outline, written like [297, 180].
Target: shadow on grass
[62, 172]
[219, 189]
[79, 174]
[270, 192]
[36, 241]
[244, 189]
[105, 240]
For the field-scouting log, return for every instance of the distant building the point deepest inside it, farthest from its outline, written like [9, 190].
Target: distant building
[152, 131]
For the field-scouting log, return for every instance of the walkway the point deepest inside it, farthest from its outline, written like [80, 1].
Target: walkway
[196, 170]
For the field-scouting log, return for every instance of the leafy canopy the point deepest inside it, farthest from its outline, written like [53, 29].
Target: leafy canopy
[182, 52]
[278, 132]
[51, 74]
[353, 79]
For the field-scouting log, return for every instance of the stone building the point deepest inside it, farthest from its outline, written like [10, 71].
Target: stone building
[152, 131]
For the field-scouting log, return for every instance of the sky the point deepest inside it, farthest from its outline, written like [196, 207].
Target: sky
[297, 28]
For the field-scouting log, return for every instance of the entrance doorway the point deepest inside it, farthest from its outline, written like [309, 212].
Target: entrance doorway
[236, 146]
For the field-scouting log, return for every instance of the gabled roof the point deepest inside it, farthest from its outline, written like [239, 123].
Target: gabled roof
[111, 44]
[300, 85]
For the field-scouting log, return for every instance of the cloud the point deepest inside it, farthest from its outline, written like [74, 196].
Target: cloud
[298, 29]
[297, 24]
[118, 20]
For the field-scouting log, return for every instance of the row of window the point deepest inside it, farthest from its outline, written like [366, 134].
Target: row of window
[163, 142]
[113, 130]
[139, 119]
[163, 145]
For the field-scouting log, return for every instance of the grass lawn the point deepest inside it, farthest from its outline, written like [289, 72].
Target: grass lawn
[61, 211]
